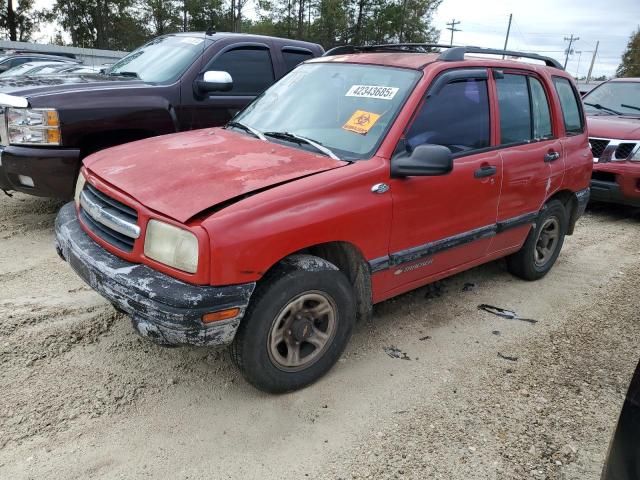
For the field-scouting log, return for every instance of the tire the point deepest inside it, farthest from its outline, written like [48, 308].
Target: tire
[304, 305]
[529, 263]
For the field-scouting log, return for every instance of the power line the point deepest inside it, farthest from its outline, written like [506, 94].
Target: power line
[452, 27]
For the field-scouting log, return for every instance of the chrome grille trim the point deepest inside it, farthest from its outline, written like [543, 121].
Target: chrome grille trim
[614, 151]
[108, 216]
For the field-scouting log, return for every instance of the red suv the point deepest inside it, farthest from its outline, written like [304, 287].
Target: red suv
[359, 176]
[614, 133]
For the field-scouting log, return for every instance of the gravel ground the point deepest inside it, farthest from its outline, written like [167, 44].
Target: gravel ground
[430, 388]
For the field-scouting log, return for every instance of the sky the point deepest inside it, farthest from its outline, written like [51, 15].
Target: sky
[541, 26]
[538, 25]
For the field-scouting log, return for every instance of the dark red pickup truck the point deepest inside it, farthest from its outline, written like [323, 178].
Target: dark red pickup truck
[355, 178]
[613, 110]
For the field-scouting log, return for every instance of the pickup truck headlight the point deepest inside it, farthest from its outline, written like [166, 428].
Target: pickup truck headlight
[172, 246]
[33, 126]
[636, 156]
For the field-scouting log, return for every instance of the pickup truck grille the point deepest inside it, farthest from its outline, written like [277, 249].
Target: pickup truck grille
[610, 150]
[109, 219]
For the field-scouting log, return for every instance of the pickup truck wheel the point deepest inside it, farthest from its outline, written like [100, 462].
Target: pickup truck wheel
[297, 325]
[543, 245]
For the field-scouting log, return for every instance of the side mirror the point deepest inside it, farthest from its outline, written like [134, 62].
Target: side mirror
[214, 81]
[425, 160]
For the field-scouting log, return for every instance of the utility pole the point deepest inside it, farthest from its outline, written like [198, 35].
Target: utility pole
[568, 51]
[593, 60]
[184, 16]
[453, 28]
[579, 52]
[506, 40]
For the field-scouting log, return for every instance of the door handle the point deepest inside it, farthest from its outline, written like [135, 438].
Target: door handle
[551, 156]
[485, 171]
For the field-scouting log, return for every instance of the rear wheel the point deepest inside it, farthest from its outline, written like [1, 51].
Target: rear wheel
[297, 325]
[544, 242]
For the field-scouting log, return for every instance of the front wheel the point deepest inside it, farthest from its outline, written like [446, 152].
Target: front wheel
[297, 325]
[543, 244]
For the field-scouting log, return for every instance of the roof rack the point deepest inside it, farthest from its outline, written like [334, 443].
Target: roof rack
[386, 47]
[451, 53]
[456, 54]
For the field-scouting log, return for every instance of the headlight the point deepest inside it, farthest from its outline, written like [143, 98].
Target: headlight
[172, 246]
[636, 156]
[79, 186]
[33, 126]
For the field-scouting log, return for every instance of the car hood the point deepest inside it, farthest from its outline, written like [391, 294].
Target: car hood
[182, 174]
[613, 126]
[30, 86]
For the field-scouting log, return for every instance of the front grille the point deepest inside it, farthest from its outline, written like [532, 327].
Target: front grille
[109, 219]
[624, 150]
[598, 146]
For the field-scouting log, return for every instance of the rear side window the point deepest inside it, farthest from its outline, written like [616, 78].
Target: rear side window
[250, 68]
[457, 117]
[571, 112]
[541, 112]
[294, 57]
[524, 109]
[515, 109]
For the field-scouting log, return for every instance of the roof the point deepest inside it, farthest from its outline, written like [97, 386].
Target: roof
[220, 35]
[414, 61]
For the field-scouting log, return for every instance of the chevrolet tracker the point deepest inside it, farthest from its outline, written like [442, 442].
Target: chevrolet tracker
[357, 177]
[613, 110]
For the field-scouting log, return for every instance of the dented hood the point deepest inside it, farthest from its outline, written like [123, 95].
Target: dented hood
[182, 174]
[612, 126]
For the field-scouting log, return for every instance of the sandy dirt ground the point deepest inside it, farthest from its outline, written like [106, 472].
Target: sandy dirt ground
[81, 396]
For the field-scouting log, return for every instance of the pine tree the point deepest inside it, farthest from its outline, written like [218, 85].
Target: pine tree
[630, 66]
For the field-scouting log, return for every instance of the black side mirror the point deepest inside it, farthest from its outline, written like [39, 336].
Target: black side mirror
[214, 81]
[425, 160]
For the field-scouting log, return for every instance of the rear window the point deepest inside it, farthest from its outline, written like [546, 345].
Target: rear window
[571, 111]
[294, 57]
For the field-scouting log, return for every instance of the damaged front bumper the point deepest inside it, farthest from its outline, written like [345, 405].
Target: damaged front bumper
[163, 309]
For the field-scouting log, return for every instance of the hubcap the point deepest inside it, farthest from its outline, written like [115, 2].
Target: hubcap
[547, 241]
[302, 331]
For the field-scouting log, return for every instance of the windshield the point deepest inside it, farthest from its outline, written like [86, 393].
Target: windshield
[344, 107]
[161, 60]
[614, 98]
[21, 69]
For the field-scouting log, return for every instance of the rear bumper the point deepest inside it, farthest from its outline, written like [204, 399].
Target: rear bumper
[52, 171]
[163, 309]
[611, 192]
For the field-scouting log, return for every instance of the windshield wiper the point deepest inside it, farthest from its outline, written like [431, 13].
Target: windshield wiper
[629, 106]
[125, 74]
[292, 137]
[603, 108]
[247, 128]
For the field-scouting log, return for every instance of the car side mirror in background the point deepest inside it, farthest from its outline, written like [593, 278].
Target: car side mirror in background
[424, 160]
[214, 81]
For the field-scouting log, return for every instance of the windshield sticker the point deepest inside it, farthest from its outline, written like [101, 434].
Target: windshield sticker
[191, 40]
[372, 91]
[361, 122]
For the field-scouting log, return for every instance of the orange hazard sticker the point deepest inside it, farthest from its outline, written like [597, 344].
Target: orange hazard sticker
[361, 122]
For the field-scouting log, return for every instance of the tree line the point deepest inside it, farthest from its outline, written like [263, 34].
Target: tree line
[126, 24]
